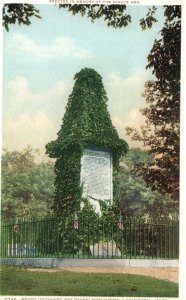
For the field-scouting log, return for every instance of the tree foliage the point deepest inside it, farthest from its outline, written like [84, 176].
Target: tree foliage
[114, 15]
[27, 187]
[86, 123]
[150, 19]
[135, 198]
[21, 13]
[161, 133]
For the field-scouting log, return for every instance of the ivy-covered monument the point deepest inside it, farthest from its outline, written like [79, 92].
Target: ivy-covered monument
[87, 149]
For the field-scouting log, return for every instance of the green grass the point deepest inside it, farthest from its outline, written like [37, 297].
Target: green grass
[20, 281]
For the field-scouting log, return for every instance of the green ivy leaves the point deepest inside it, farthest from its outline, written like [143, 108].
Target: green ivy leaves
[86, 123]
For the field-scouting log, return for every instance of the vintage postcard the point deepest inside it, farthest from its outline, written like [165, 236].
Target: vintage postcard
[92, 195]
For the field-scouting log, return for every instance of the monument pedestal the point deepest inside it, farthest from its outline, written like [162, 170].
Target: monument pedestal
[105, 249]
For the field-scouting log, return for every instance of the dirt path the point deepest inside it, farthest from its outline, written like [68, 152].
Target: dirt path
[170, 274]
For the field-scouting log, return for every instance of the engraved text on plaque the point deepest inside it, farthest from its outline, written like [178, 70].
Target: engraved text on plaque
[96, 174]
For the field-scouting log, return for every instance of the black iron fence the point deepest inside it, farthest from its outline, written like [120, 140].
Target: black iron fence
[51, 237]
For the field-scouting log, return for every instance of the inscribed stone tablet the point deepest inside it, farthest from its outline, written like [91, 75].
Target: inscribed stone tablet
[96, 174]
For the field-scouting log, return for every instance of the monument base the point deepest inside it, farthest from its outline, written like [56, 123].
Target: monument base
[105, 249]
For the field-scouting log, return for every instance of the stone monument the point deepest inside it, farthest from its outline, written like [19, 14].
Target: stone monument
[87, 148]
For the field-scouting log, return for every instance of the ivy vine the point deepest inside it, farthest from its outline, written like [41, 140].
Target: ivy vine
[86, 123]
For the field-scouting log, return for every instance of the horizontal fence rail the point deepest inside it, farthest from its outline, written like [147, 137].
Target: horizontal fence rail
[50, 237]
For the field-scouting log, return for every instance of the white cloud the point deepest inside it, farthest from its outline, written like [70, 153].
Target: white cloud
[125, 92]
[125, 101]
[28, 129]
[60, 47]
[116, 120]
[32, 118]
[134, 120]
[20, 91]
[135, 80]
[59, 89]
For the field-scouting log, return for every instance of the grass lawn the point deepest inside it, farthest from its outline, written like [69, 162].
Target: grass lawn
[19, 281]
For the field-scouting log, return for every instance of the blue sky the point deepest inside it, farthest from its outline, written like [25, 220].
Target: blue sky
[40, 62]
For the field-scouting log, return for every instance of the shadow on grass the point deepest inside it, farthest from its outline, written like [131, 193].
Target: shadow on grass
[19, 281]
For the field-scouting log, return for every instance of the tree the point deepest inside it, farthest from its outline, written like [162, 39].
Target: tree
[27, 187]
[161, 133]
[20, 13]
[114, 15]
[134, 197]
[86, 123]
